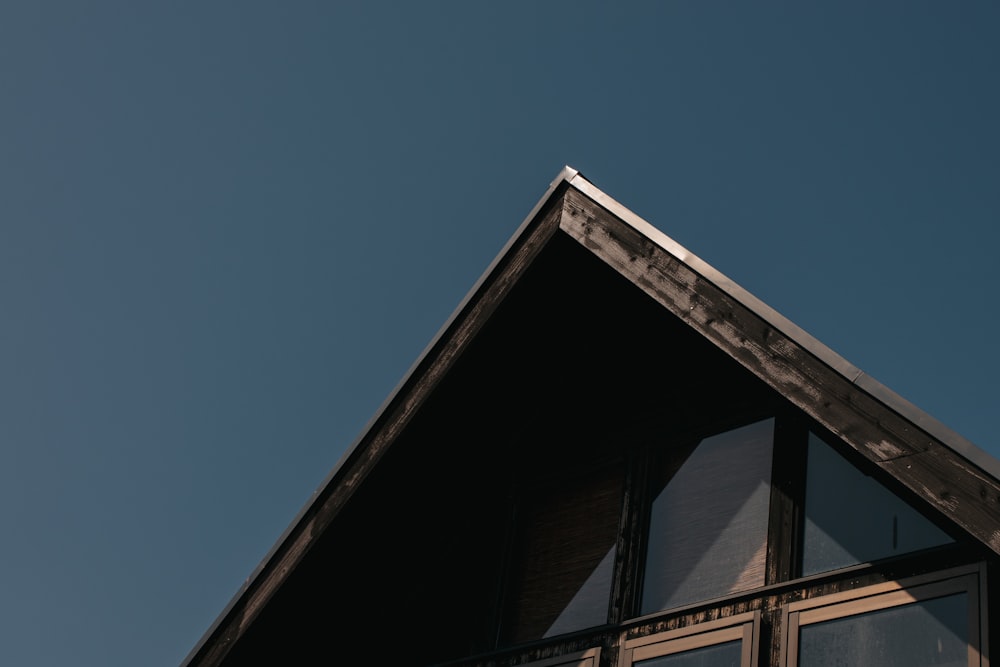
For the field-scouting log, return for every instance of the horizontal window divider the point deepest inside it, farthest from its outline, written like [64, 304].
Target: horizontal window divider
[917, 561]
[725, 623]
[917, 587]
[562, 645]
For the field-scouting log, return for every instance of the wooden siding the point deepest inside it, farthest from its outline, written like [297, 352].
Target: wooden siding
[928, 468]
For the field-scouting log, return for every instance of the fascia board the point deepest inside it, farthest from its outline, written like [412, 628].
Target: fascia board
[796, 334]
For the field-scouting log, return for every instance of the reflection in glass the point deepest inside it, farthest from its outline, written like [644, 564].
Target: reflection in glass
[851, 518]
[708, 525]
[589, 604]
[931, 633]
[720, 655]
[565, 553]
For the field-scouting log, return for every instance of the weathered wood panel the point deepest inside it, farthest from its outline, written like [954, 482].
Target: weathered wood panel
[928, 468]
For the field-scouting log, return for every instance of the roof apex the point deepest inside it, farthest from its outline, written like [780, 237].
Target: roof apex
[776, 350]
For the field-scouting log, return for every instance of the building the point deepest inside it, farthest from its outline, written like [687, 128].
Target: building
[611, 454]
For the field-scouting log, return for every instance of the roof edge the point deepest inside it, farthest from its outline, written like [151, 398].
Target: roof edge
[878, 391]
[570, 177]
[565, 176]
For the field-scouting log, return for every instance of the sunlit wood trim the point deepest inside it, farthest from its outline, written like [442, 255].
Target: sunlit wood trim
[741, 627]
[589, 658]
[969, 579]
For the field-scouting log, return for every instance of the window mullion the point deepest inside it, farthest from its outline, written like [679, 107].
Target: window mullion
[627, 582]
[787, 499]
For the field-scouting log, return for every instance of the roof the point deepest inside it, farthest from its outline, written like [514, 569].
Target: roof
[945, 471]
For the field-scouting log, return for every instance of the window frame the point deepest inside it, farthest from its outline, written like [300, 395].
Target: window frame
[677, 464]
[523, 494]
[588, 658]
[786, 513]
[869, 469]
[743, 627]
[856, 602]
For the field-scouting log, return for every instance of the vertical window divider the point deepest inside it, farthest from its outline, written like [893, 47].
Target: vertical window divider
[784, 532]
[628, 573]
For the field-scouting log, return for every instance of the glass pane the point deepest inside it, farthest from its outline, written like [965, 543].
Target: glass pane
[708, 525]
[589, 605]
[922, 634]
[851, 518]
[565, 555]
[720, 655]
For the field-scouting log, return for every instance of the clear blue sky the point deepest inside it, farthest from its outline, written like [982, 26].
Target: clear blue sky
[227, 229]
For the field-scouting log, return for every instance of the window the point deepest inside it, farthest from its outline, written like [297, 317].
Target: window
[708, 521]
[730, 642]
[588, 658]
[565, 553]
[694, 527]
[933, 622]
[850, 518]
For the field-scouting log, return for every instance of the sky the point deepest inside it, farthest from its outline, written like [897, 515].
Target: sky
[228, 228]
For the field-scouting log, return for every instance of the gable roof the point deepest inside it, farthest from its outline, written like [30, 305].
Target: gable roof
[940, 468]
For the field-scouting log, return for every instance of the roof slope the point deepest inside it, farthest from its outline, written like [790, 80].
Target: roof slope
[940, 468]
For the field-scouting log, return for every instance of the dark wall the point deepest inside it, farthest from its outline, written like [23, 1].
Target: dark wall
[573, 364]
